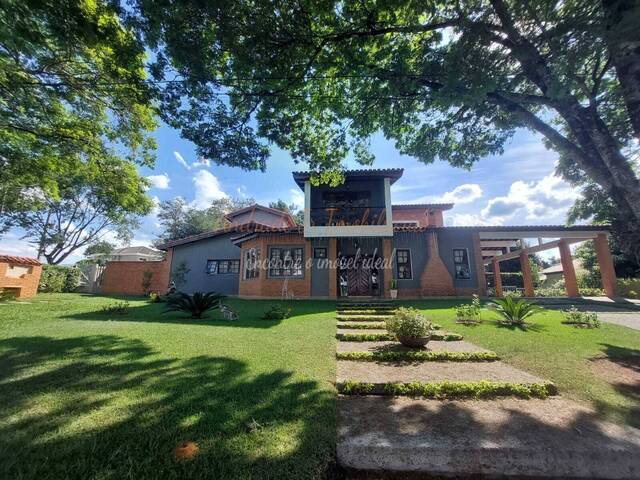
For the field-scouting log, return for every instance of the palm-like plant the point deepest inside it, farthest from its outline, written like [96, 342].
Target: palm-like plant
[514, 312]
[196, 304]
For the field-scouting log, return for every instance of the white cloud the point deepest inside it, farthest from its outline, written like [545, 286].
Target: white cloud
[242, 191]
[468, 220]
[467, 193]
[201, 162]
[297, 197]
[207, 188]
[549, 198]
[181, 160]
[160, 182]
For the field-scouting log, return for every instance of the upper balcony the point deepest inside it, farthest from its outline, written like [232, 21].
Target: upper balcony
[359, 207]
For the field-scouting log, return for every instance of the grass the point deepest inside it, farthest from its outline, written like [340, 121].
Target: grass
[93, 395]
[558, 353]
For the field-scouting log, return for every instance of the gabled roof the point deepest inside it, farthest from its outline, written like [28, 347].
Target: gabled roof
[392, 173]
[287, 216]
[426, 206]
[19, 260]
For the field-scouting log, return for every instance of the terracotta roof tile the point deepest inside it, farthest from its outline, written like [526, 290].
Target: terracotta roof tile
[19, 260]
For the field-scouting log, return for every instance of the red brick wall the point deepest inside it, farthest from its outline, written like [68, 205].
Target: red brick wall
[126, 277]
[435, 280]
[26, 285]
[272, 287]
[423, 216]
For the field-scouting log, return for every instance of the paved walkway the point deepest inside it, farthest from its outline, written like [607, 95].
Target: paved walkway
[509, 437]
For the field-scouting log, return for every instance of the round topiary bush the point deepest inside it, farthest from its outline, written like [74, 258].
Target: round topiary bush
[410, 327]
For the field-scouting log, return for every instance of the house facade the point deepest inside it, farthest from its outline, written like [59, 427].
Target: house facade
[356, 243]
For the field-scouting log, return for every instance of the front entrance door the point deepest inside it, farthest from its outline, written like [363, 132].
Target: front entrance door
[358, 276]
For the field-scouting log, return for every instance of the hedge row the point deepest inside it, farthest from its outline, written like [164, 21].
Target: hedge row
[59, 279]
[375, 337]
[418, 356]
[451, 390]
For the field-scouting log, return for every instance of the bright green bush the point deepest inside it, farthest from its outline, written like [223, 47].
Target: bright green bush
[514, 312]
[469, 312]
[575, 317]
[277, 312]
[408, 322]
[59, 279]
[375, 337]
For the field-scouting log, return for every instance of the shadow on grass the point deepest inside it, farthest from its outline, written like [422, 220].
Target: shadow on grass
[620, 368]
[108, 407]
[250, 313]
[524, 327]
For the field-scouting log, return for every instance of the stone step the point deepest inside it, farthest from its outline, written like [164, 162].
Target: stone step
[381, 373]
[436, 336]
[362, 318]
[388, 313]
[365, 305]
[362, 325]
[551, 438]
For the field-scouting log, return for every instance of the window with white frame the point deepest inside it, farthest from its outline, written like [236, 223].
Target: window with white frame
[251, 263]
[403, 264]
[286, 261]
[461, 263]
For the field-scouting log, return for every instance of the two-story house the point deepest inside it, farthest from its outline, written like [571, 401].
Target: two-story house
[355, 242]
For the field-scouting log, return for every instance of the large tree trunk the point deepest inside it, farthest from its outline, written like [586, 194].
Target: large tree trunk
[622, 22]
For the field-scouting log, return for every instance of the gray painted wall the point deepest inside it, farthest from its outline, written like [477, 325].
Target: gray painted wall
[319, 276]
[416, 242]
[196, 255]
[447, 241]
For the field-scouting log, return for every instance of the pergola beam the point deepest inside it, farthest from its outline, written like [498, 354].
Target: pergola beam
[534, 249]
[498, 243]
[568, 234]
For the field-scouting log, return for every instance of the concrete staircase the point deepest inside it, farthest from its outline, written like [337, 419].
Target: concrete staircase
[502, 436]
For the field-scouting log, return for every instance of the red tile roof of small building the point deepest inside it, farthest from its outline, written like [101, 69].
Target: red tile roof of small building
[19, 260]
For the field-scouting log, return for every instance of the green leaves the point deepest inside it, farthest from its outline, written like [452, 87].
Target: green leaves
[196, 304]
[514, 312]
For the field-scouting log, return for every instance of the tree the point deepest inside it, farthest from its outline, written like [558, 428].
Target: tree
[93, 200]
[292, 209]
[100, 247]
[178, 219]
[449, 80]
[73, 90]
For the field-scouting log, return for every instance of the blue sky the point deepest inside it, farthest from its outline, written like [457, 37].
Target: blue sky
[515, 188]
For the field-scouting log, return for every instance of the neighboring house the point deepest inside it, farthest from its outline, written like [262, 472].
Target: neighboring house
[551, 275]
[129, 254]
[355, 241]
[20, 275]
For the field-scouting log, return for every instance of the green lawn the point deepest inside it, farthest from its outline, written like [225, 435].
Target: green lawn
[560, 353]
[86, 396]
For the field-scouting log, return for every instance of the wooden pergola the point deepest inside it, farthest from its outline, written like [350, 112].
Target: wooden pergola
[496, 244]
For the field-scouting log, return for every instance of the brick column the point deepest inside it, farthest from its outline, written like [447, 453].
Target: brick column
[332, 256]
[387, 251]
[568, 272]
[497, 280]
[526, 275]
[607, 272]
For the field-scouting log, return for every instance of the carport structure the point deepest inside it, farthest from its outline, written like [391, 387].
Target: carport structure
[496, 244]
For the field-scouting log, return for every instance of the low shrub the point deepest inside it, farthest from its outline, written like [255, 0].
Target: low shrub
[408, 322]
[561, 292]
[59, 279]
[116, 308]
[197, 304]
[356, 388]
[514, 312]
[418, 356]
[575, 317]
[155, 297]
[469, 312]
[374, 325]
[628, 287]
[375, 337]
[479, 390]
[7, 295]
[277, 312]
